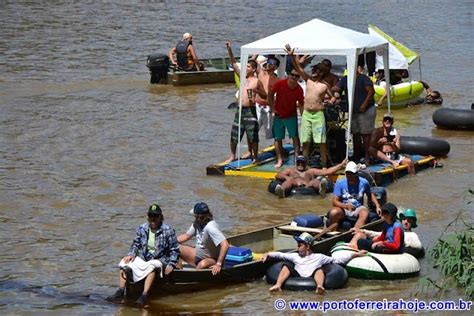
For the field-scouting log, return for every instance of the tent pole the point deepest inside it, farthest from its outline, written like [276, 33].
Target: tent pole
[419, 65]
[386, 68]
[351, 77]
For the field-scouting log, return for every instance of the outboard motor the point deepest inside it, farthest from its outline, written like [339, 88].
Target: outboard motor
[158, 65]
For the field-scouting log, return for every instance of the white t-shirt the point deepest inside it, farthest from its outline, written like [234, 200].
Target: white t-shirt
[207, 240]
[305, 266]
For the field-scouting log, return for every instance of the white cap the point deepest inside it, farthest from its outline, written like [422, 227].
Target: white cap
[261, 59]
[187, 35]
[351, 167]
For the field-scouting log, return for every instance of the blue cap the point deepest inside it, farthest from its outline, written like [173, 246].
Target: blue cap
[200, 208]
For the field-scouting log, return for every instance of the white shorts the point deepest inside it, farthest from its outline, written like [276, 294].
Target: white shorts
[265, 119]
[395, 157]
[354, 212]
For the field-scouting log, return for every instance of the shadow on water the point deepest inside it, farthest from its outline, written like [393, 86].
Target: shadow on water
[58, 299]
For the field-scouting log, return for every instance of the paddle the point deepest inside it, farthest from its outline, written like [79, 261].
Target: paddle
[325, 230]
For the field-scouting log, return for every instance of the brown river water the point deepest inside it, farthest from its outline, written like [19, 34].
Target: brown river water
[86, 143]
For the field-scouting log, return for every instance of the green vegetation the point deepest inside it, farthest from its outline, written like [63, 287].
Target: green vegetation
[453, 255]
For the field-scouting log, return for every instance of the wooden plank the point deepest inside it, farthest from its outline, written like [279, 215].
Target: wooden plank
[307, 229]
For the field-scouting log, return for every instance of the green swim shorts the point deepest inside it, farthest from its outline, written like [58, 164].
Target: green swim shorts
[280, 125]
[313, 127]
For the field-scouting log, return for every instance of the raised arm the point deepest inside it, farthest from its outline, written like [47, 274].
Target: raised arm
[296, 65]
[233, 61]
[326, 172]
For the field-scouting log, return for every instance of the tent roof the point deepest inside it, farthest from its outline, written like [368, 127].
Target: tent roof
[316, 36]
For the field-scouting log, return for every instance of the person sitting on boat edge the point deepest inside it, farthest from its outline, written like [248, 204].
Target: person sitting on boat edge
[385, 145]
[348, 198]
[155, 246]
[432, 96]
[391, 240]
[211, 244]
[304, 263]
[305, 177]
[248, 123]
[186, 58]
[412, 242]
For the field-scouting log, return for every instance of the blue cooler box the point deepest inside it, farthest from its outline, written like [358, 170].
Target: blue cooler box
[236, 255]
[308, 220]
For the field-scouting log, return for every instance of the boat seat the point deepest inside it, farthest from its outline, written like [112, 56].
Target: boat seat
[306, 229]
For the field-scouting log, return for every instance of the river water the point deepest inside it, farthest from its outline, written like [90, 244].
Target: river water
[86, 143]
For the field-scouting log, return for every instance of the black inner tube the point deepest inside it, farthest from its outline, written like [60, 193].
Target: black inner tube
[335, 278]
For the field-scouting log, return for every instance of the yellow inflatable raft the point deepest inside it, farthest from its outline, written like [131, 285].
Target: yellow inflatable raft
[401, 94]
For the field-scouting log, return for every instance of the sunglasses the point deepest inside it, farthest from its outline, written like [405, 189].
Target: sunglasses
[271, 62]
[388, 119]
[294, 75]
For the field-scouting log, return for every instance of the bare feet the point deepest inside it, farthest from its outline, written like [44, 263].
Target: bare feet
[278, 164]
[247, 155]
[276, 287]
[230, 159]
[320, 290]
[279, 191]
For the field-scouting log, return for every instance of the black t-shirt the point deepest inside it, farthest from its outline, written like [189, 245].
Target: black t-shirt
[360, 94]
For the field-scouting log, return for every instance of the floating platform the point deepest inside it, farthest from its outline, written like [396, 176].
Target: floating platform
[379, 174]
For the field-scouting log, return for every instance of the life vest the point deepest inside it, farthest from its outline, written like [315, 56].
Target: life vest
[184, 59]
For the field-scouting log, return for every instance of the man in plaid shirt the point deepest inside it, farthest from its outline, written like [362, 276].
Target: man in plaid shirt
[154, 242]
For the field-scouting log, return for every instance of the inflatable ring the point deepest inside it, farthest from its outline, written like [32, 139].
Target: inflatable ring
[378, 266]
[297, 191]
[416, 252]
[335, 278]
[454, 119]
[424, 146]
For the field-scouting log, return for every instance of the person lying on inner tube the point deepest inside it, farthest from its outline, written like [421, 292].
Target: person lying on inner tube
[391, 240]
[408, 219]
[432, 96]
[302, 176]
[304, 263]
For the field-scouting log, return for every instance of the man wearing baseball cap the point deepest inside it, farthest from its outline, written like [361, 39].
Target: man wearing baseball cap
[154, 247]
[302, 176]
[186, 58]
[348, 198]
[304, 263]
[211, 244]
[385, 145]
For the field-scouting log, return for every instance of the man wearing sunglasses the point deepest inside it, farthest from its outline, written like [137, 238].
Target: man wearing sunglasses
[385, 145]
[211, 244]
[154, 249]
[313, 123]
[301, 176]
[284, 98]
[348, 198]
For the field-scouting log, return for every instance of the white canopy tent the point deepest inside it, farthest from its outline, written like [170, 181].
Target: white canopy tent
[317, 37]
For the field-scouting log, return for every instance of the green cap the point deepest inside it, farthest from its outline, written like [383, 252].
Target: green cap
[409, 213]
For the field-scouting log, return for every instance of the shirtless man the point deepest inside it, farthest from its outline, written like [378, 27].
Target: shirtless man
[249, 123]
[313, 123]
[385, 145]
[301, 176]
[330, 78]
